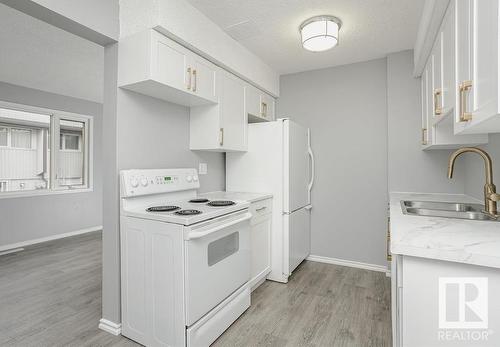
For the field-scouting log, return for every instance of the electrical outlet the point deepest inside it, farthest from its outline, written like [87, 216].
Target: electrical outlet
[203, 169]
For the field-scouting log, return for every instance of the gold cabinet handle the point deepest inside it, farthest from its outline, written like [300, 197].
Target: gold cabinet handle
[221, 140]
[189, 78]
[195, 84]
[463, 88]
[424, 136]
[437, 106]
[263, 110]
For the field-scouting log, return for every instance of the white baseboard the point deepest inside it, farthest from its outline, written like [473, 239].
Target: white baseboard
[350, 263]
[110, 327]
[49, 238]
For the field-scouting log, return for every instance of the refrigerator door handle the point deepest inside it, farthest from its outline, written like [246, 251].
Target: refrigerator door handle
[311, 155]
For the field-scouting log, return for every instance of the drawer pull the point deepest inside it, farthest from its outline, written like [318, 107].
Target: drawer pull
[260, 209]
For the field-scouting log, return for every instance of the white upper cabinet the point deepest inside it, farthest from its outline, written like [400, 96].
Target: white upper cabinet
[221, 127]
[477, 79]
[259, 105]
[154, 65]
[202, 77]
[439, 88]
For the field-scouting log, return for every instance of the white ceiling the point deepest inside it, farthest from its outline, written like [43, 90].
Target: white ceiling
[269, 28]
[37, 55]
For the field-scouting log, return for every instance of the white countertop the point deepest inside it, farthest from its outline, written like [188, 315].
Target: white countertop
[458, 240]
[249, 197]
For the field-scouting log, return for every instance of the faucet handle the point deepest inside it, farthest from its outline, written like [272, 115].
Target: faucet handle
[494, 197]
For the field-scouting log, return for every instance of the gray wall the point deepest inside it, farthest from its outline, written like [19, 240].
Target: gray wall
[142, 132]
[345, 107]
[29, 218]
[411, 169]
[474, 168]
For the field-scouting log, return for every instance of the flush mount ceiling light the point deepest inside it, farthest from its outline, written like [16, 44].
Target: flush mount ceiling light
[320, 33]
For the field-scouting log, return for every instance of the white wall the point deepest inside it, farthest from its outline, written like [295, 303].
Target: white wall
[94, 20]
[29, 218]
[37, 55]
[345, 107]
[411, 169]
[474, 168]
[179, 19]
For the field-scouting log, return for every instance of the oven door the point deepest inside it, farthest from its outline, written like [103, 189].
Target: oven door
[217, 262]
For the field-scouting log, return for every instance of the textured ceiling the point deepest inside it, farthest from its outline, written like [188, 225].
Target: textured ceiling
[37, 55]
[269, 28]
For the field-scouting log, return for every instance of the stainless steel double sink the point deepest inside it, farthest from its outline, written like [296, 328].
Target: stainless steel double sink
[446, 210]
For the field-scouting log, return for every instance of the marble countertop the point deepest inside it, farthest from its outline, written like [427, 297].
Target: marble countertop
[457, 240]
[250, 197]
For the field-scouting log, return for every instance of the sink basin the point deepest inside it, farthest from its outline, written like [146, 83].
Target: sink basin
[446, 210]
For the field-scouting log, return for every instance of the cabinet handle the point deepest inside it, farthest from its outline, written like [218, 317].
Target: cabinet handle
[221, 141]
[424, 136]
[463, 88]
[195, 75]
[260, 209]
[189, 78]
[263, 110]
[437, 108]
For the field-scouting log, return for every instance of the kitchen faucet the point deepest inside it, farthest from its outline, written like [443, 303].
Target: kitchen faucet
[490, 195]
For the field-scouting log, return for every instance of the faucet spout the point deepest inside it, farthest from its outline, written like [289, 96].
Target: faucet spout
[490, 195]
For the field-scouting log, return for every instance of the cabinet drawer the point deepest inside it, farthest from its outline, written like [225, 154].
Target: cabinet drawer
[261, 207]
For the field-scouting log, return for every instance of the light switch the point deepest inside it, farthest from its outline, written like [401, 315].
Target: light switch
[203, 169]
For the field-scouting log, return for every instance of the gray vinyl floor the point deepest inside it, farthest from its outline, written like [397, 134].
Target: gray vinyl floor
[50, 295]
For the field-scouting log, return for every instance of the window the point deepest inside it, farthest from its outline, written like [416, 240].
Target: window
[31, 159]
[69, 142]
[3, 137]
[20, 138]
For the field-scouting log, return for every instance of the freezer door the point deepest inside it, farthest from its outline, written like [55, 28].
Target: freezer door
[296, 166]
[298, 229]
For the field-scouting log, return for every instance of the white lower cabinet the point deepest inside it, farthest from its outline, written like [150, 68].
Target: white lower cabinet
[221, 127]
[444, 303]
[260, 238]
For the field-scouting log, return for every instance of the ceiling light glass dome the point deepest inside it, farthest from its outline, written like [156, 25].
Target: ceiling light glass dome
[320, 33]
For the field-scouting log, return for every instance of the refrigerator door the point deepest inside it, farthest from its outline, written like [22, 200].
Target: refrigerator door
[298, 229]
[297, 176]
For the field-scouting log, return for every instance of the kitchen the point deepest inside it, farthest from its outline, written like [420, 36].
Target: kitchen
[295, 197]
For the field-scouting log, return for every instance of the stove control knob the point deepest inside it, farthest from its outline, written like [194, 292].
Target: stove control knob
[189, 178]
[195, 178]
[144, 182]
[134, 182]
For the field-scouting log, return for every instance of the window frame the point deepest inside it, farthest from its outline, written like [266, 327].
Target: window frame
[86, 145]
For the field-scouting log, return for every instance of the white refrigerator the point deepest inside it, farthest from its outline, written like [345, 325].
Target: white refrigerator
[280, 161]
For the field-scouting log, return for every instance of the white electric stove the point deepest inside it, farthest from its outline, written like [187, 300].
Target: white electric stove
[185, 260]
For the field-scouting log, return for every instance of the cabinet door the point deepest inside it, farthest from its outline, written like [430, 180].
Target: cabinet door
[233, 119]
[203, 78]
[448, 62]
[171, 63]
[463, 60]
[261, 247]
[437, 78]
[423, 95]
[484, 59]
[252, 100]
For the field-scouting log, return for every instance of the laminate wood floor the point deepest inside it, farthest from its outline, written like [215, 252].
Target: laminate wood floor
[50, 295]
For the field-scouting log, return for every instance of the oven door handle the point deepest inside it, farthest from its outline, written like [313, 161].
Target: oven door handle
[197, 235]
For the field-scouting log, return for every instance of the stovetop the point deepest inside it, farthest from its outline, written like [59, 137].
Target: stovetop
[187, 212]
